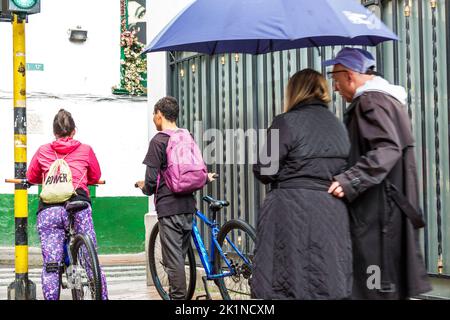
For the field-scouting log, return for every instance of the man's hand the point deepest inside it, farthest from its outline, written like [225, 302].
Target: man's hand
[139, 184]
[336, 190]
[212, 176]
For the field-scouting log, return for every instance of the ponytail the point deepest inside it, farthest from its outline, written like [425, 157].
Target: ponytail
[63, 124]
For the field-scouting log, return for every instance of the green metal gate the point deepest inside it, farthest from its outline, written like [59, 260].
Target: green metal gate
[235, 91]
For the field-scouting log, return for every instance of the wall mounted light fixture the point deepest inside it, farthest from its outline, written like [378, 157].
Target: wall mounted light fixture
[77, 35]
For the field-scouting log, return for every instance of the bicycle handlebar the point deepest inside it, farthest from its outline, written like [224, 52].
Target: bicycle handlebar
[215, 176]
[25, 181]
[16, 181]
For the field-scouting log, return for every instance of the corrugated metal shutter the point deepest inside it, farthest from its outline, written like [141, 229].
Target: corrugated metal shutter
[244, 92]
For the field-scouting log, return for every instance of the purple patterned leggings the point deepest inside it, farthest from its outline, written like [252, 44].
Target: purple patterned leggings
[51, 226]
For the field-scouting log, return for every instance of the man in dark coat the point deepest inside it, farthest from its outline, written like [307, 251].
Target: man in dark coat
[380, 184]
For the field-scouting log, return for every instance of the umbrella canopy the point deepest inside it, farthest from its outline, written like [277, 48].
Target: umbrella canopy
[261, 26]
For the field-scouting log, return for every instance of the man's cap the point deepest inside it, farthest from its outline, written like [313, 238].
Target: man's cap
[358, 60]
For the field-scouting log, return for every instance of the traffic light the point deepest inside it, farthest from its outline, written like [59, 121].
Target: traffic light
[21, 6]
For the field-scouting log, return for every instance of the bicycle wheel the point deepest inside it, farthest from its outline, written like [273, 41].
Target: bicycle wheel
[85, 269]
[158, 269]
[242, 236]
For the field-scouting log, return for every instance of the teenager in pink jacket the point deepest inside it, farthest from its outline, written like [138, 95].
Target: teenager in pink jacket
[52, 220]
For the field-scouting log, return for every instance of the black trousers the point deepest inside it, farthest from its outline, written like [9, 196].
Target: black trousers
[175, 234]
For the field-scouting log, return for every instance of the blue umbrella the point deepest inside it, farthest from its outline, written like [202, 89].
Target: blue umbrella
[261, 26]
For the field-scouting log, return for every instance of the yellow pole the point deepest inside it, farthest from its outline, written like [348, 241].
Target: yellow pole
[22, 288]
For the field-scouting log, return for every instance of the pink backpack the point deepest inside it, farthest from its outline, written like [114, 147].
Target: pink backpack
[186, 171]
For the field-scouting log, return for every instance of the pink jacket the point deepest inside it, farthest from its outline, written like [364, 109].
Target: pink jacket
[81, 159]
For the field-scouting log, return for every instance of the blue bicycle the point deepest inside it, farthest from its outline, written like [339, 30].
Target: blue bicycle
[228, 263]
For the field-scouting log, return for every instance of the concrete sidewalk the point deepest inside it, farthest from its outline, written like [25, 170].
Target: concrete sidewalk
[7, 256]
[123, 283]
[127, 276]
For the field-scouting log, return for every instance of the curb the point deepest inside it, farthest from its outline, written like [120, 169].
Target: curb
[122, 259]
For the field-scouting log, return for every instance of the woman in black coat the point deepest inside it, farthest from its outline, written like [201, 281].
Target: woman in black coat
[303, 246]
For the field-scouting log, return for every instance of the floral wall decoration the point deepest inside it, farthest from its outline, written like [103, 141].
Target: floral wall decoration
[133, 69]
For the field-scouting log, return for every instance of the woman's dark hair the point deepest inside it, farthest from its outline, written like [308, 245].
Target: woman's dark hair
[168, 107]
[63, 124]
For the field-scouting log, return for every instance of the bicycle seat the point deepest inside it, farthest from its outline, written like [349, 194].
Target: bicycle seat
[214, 204]
[75, 206]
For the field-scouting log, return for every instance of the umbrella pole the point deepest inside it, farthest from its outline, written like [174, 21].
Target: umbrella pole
[272, 63]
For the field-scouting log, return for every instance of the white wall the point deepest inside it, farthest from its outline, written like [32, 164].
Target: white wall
[116, 130]
[89, 67]
[159, 14]
[77, 77]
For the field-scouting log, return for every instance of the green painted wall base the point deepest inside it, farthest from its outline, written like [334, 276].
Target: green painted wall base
[118, 222]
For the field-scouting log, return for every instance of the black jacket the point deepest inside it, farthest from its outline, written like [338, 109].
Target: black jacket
[382, 159]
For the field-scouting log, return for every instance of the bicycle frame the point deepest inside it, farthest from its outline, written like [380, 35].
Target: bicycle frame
[69, 238]
[208, 261]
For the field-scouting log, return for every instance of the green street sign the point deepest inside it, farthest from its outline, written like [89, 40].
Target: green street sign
[35, 66]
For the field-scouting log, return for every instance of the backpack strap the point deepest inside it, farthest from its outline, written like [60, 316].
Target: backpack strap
[43, 174]
[69, 153]
[168, 132]
[81, 179]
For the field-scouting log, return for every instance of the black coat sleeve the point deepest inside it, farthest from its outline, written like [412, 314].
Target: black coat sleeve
[154, 160]
[378, 131]
[151, 176]
[273, 153]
